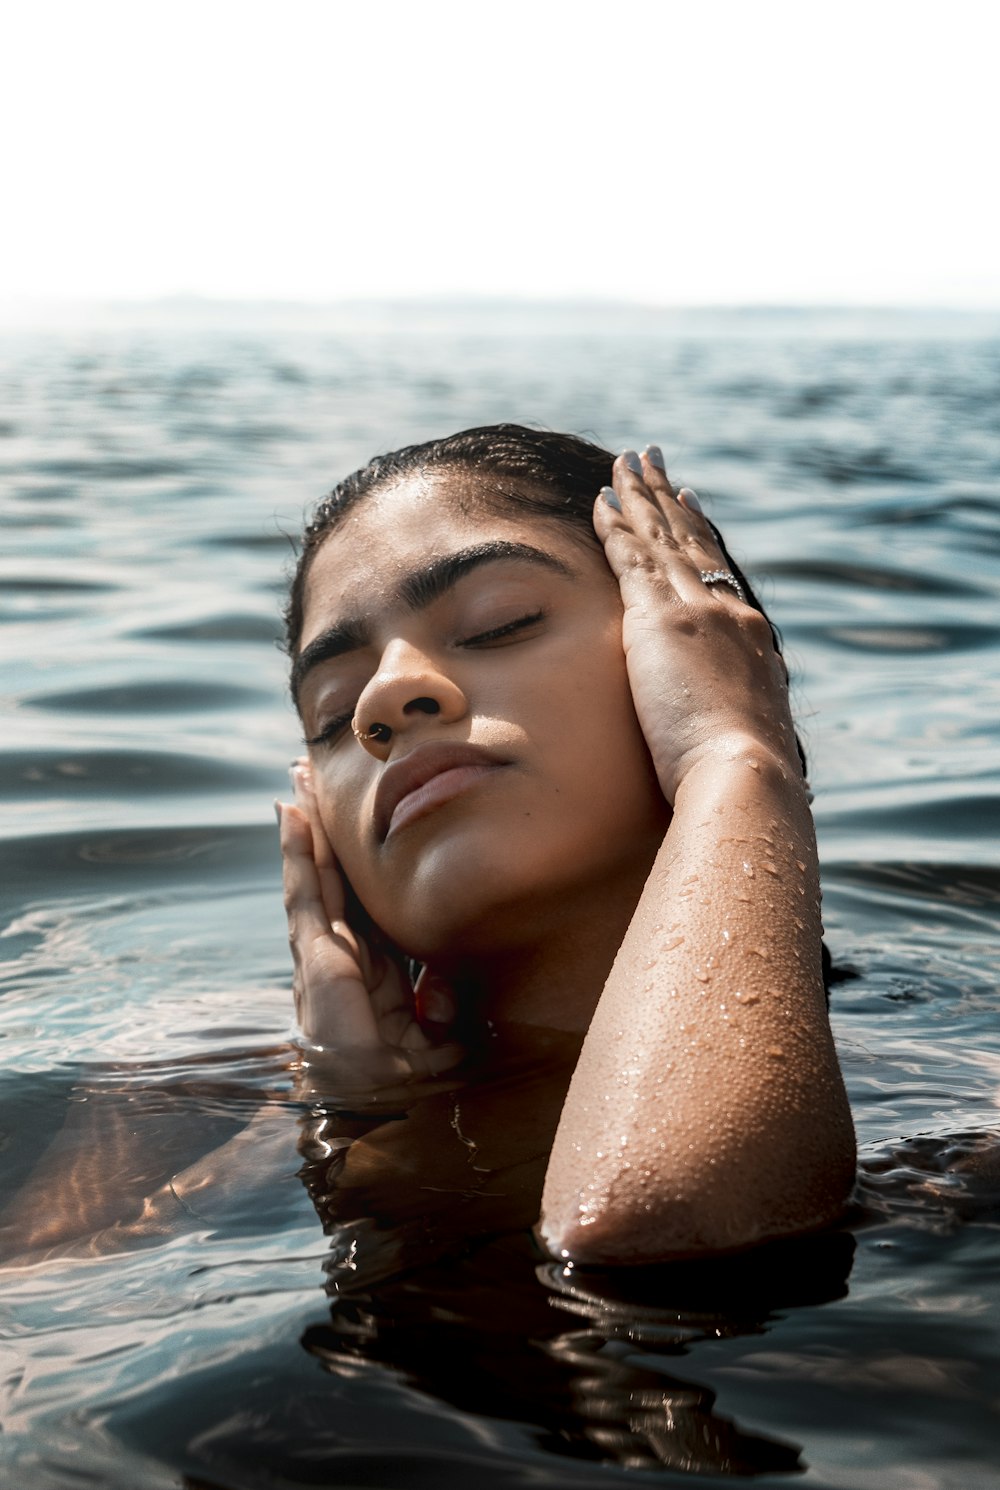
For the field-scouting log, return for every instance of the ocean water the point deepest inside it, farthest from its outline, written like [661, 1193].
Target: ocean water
[153, 471]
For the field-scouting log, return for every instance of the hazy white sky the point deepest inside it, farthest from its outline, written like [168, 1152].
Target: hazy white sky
[676, 153]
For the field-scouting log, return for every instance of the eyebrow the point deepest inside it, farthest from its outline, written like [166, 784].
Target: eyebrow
[417, 591]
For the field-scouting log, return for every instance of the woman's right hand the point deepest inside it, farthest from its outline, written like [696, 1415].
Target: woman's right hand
[365, 1025]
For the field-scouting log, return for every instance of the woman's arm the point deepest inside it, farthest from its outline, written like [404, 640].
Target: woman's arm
[707, 1111]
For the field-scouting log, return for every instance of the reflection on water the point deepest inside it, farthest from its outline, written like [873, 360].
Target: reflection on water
[219, 1285]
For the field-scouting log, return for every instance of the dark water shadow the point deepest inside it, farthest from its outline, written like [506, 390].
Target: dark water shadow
[591, 1359]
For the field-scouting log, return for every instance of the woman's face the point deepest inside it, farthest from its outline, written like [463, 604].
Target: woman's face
[507, 785]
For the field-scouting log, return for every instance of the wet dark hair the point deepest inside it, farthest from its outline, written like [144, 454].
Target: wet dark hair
[517, 470]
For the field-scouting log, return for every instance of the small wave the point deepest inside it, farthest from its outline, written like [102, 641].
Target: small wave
[52, 585]
[122, 774]
[867, 577]
[927, 900]
[64, 865]
[109, 470]
[841, 467]
[958, 511]
[180, 696]
[282, 542]
[812, 399]
[895, 638]
[976, 814]
[933, 1181]
[34, 519]
[233, 627]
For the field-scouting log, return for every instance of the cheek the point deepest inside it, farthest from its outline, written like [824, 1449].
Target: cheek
[599, 701]
[340, 816]
[343, 812]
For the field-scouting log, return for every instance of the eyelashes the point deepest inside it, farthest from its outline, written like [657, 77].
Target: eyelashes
[496, 636]
[499, 633]
[330, 731]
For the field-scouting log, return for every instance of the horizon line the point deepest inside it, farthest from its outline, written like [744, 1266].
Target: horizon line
[480, 300]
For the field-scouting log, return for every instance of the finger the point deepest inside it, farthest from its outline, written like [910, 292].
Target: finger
[301, 777]
[330, 879]
[333, 1006]
[651, 567]
[688, 525]
[638, 499]
[654, 471]
[648, 501]
[307, 916]
[638, 540]
[644, 491]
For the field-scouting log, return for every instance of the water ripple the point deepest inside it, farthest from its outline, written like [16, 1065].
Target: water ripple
[180, 696]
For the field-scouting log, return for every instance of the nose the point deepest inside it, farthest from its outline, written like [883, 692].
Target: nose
[408, 690]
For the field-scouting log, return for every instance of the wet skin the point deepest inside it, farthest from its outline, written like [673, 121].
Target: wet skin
[632, 858]
[520, 656]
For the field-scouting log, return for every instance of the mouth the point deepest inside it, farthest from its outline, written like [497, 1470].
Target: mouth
[425, 779]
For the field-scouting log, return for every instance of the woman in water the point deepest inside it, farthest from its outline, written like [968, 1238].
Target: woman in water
[554, 815]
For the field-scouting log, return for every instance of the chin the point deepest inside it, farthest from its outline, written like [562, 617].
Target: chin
[458, 922]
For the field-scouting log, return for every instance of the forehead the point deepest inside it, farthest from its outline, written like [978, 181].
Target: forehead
[399, 529]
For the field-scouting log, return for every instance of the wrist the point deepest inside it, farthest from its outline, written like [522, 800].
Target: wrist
[361, 1076]
[742, 762]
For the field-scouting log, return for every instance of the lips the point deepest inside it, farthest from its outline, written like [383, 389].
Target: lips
[425, 778]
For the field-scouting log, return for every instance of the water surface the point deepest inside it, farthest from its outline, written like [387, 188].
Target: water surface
[152, 477]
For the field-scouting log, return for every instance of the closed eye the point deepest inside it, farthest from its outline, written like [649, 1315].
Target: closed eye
[499, 634]
[328, 734]
[495, 637]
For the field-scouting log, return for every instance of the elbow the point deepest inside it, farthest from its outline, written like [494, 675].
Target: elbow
[720, 1205]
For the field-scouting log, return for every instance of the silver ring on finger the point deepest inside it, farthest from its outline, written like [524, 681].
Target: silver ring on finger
[723, 577]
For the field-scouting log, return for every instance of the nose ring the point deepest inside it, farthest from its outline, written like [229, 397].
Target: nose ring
[379, 734]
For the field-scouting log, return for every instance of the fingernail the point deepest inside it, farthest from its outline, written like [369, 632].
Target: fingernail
[632, 460]
[687, 496]
[655, 457]
[611, 497]
[277, 810]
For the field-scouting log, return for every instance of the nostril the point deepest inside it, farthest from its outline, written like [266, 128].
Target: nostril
[422, 706]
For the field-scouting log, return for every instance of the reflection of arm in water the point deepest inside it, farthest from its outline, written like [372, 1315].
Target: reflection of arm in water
[135, 1163]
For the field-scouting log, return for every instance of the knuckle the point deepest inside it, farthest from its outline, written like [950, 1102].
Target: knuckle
[644, 562]
[756, 626]
[659, 533]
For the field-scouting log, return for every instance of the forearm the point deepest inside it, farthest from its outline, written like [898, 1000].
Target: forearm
[707, 1110]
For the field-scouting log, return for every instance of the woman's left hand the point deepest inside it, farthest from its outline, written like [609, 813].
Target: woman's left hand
[706, 679]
